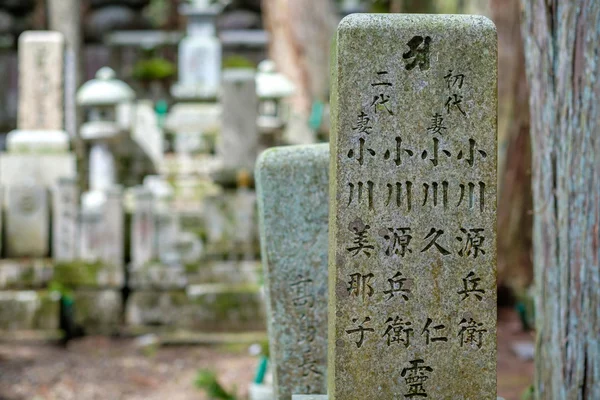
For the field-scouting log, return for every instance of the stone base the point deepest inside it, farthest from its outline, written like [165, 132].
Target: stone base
[91, 275]
[29, 310]
[25, 273]
[203, 308]
[44, 169]
[98, 311]
[225, 272]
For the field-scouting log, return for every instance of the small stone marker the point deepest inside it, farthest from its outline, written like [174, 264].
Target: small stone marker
[41, 61]
[413, 228]
[143, 228]
[114, 226]
[292, 186]
[65, 211]
[27, 221]
[238, 144]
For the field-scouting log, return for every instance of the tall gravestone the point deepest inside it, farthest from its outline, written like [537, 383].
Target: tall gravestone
[412, 262]
[65, 214]
[41, 81]
[238, 143]
[292, 185]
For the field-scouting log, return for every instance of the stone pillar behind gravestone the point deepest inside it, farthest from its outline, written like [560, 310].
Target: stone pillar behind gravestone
[65, 212]
[64, 17]
[142, 228]
[238, 143]
[114, 225]
[412, 262]
[41, 80]
[27, 221]
[292, 186]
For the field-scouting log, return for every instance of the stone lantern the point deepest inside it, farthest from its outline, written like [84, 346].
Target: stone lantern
[272, 88]
[100, 98]
[200, 53]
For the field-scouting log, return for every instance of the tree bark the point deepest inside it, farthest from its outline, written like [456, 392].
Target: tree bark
[561, 47]
[301, 34]
[515, 269]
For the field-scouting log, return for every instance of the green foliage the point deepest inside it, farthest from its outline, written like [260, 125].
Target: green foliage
[238, 62]
[207, 381]
[153, 69]
[380, 6]
[528, 393]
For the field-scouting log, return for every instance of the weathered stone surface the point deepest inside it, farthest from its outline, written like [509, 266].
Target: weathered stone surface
[25, 273]
[94, 275]
[309, 397]
[292, 184]
[205, 308]
[65, 214]
[28, 310]
[41, 80]
[43, 169]
[227, 272]
[238, 143]
[27, 221]
[98, 311]
[412, 260]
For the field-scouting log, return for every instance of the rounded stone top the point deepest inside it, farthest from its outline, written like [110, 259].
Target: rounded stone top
[270, 84]
[104, 90]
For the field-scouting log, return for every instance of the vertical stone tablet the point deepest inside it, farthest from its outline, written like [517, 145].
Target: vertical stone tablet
[238, 144]
[65, 211]
[114, 228]
[292, 185]
[143, 228]
[41, 60]
[413, 209]
[27, 221]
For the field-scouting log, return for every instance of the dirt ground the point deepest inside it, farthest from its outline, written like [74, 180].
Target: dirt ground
[114, 369]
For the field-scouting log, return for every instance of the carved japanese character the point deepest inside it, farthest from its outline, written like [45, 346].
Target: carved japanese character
[471, 287]
[472, 242]
[398, 331]
[471, 333]
[361, 151]
[397, 187]
[363, 124]
[415, 378]
[397, 287]
[398, 241]
[398, 152]
[435, 235]
[360, 242]
[302, 289]
[360, 330]
[359, 286]
[427, 332]
[356, 192]
[437, 124]
[418, 53]
[454, 101]
[454, 79]
[435, 198]
[435, 153]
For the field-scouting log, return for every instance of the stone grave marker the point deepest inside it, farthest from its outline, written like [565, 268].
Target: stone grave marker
[114, 227]
[27, 221]
[238, 143]
[143, 228]
[413, 209]
[292, 185]
[65, 211]
[41, 81]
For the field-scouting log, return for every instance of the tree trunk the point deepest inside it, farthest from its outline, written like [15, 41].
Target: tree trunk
[515, 268]
[561, 47]
[301, 34]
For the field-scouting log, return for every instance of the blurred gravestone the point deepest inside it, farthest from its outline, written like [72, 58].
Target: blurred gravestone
[293, 195]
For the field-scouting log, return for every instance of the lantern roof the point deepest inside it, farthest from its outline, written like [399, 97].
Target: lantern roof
[271, 84]
[104, 90]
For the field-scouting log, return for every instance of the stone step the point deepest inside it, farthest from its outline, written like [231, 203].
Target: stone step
[204, 308]
[29, 310]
